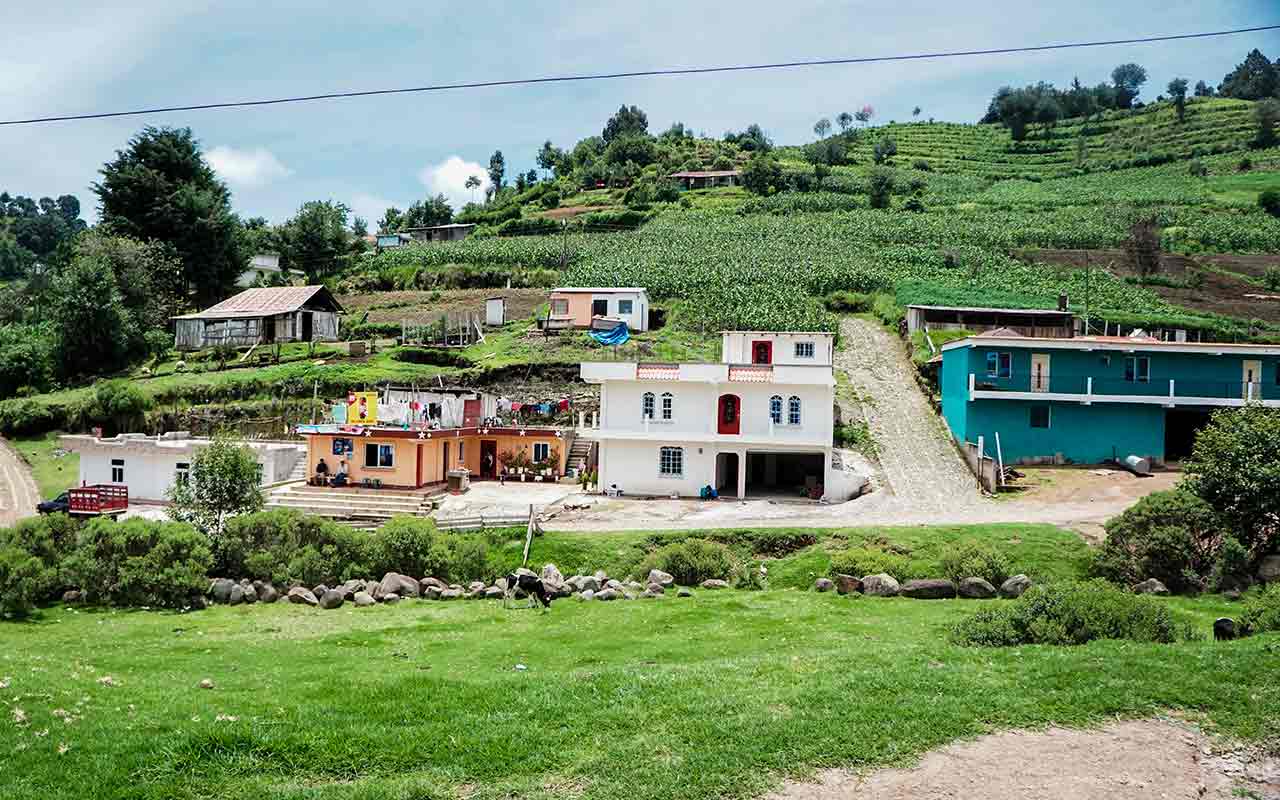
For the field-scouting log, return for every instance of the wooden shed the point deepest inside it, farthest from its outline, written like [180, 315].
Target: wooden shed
[262, 316]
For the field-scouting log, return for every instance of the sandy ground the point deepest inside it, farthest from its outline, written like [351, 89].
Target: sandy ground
[1139, 760]
[18, 491]
[488, 498]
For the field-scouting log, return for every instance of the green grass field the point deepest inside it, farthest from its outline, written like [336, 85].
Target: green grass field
[53, 474]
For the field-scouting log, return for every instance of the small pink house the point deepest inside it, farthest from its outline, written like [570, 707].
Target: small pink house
[575, 306]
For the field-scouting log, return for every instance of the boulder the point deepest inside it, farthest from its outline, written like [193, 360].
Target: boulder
[266, 592]
[649, 594]
[847, 584]
[1224, 629]
[427, 583]
[237, 595]
[655, 588]
[493, 593]
[880, 585]
[391, 598]
[588, 583]
[451, 594]
[684, 591]
[475, 586]
[71, 596]
[395, 583]
[976, 588]
[557, 589]
[525, 571]
[331, 599]
[1269, 568]
[220, 590]
[587, 594]
[433, 592]
[551, 573]
[372, 588]
[1015, 586]
[363, 599]
[250, 594]
[928, 589]
[1150, 586]
[601, 577]
[823, 585]
[319, 591]
[714, 583]
[608, 594]
[635, 586]
[302, 596]
[613, 584]
[661, 578]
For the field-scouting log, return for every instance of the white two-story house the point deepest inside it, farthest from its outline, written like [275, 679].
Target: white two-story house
[757, 424]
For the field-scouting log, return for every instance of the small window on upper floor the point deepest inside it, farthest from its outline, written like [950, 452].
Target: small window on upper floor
[775, 409]
[646, 405]
[668, 405]
[999, 365]
[1137, 369]
[804, 349]
[625, 306]
[117, 470]
[793, 411]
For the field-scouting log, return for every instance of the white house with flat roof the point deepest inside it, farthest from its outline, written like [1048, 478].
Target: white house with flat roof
[745, 429]
[576, 306]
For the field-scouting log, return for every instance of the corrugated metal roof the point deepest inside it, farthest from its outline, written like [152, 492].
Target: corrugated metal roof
[715, 173]
[263, 302]
[597, 289]
[1014, 311]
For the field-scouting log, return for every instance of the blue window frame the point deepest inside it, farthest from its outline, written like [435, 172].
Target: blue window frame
[999, 365]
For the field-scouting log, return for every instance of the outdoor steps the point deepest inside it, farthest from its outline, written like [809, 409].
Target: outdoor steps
[578, 453]
[299, 472]
[363, 504]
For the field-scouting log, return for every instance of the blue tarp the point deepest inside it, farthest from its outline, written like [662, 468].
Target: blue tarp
[615, 337]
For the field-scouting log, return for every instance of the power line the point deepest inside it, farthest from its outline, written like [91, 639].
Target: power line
[675, 71]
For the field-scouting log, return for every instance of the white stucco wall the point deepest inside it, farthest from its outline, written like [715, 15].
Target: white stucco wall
[638, 319]
[633, 465]
[735, 347]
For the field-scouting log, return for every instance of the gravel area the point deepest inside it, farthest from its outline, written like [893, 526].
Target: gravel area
[18, 492]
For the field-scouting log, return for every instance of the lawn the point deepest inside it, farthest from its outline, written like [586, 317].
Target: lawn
[54, 474]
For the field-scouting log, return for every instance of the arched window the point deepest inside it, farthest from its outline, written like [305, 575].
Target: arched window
[646, 405]
[775, 409]
[793, 411]
[668, 405]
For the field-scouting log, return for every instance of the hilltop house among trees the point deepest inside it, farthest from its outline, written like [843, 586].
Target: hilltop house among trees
[262, 316]
[707, 179]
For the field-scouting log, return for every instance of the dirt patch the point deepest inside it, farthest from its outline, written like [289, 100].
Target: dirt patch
[428, 306]
[18, 491]
[573, 211]
[1106, 487]
[1143, 759]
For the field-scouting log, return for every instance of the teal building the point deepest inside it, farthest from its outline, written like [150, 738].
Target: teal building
[1092, 399]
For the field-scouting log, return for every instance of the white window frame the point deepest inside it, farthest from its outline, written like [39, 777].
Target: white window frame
[1137, 361]
[630, 309]
[182, 473]
[668, 406]
[389, 449]
[775, 409]
[671, 462]
[560, 307]
[546, 450]
[648, 406]
[805, 350]
[117, 470]
[794, 410]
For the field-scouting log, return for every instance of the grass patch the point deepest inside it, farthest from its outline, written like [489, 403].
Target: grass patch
[54, 474]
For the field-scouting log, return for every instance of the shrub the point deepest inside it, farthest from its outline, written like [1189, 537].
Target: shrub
[138, 562]
[1172, 536]
[972, 559]
[1231, 569]
[887, 309]
[856, 436]
[551, 199]
[922, 165]
[1245, 164]
[31, 555]
[750, 577]
[880, 187]
[287, 547]
[1069, 614]
[1269, 201]
[869, 560]
[767, 542]
[1271, 279]
[530, 226]
[849, 302]
[691, 561]
[405, 544]
[1262, 611]
[1197, 169]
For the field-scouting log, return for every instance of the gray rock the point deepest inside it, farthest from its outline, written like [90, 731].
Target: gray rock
[587, 594]
[823, 585]
[266, 592]
[433, 592]
[635, 586]
[302, 596]
[551, 573]
[613, 584]
[237, 595]
[220, 590]
[250, 594]
[684, 591]
[608, 594]
[372, 588]
[655, 588]
[363, 599]
[976, 588]
[928, 589]
[714, 583]
[1150, 586]
[331, 599]
[319, 591]
[451, 594]
[71, 596]
[391, 598]
[395, 583]
[847, 584]
[525, 571]
[626, 595]
[649, 594]
[475, 586]
[493, 593]
[881, 585]
[1224, 629]
[1015, 586]
[1269, 568]
[659, 577]
[427, 583]
[588, 583]
[601, 577]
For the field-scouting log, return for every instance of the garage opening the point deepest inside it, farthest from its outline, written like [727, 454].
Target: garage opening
[785, 474]
[1180, 428]
[727, 474]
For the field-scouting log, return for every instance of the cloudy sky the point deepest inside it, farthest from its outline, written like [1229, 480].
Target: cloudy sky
[60, 57]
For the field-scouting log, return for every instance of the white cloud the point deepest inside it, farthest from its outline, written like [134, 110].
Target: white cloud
[256, 167]
[371, 207]
[449, 178]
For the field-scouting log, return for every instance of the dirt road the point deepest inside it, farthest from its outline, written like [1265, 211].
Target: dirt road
[18, 492]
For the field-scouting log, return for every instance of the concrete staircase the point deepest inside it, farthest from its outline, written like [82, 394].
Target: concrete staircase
[579, 452]
[360, 507]
[299, 472]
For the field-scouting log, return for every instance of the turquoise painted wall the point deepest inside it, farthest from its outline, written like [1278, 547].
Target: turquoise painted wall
[1083, 434]
[954, 383]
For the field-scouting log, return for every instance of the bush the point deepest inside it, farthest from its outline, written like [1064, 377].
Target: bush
[414, 546]
[1245, 164]
[529, 226]
[691, 562]
[1262, 611]
[887, 309]
[971, 559]
[1269, 201]
[1172, 536]
[31, 555]
[750, 577]
[869, 560]
[880, 187]
[922, 165]
[1197, 169]
[138, 562]
[1232, 568]
[1271, 279]
[287, 548]
[551, 199]
[1069, 614]
[849, 302]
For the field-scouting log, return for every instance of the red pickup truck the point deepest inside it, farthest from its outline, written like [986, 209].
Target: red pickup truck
[105, 499]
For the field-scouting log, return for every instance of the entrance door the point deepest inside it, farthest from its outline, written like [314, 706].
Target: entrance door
[1039, 372]
[306, 326]
[762, 353]
[600, 308]
[729, 414]
[488, 458]
[444, 467]
[1252, 389]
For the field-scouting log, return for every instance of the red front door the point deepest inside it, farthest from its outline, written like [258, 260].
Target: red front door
[470, 413]
[729, 414]
[762, 353]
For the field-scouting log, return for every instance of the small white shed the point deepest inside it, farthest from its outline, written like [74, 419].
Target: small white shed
[495, 312]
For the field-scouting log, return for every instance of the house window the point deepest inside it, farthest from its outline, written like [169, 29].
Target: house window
[117, 470]
[775, 409]
[1040, 416]
[625, 306]
[462, 452]
[541, 451]
[999, 365]
[804, 349]
[671, 462]
[1137, 369]
[646, 405]
[383, 456]
[668, 405]
[560, 308]
[793, 411]
[728, 409]
[183, 475]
